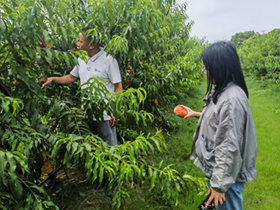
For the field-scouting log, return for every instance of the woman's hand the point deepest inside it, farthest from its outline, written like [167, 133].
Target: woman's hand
[191, 113]
[218, 198]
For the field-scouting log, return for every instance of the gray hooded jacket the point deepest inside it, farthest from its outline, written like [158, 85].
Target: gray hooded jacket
[225, 144]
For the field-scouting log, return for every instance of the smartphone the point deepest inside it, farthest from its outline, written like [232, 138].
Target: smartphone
[211, 206]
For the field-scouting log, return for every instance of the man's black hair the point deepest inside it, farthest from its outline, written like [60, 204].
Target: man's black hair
[223, 66]
[87, 36]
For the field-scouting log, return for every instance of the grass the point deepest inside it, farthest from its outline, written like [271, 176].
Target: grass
[264, 191]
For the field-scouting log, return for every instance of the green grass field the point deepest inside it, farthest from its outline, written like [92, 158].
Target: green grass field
[264, 192]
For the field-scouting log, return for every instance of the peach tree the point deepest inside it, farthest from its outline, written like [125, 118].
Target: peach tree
[259, 56]
[158, 61]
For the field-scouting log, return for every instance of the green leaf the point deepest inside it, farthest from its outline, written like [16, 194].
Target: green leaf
[131, 152]
[69, 146]
[122, 172]
[5, 105]
[153, 179]
[168, 189]
[101, 171]
[64, 34]
[151, 146]
[127, 172]
[137, 170]
[46, 36]
[74, 148]
[13, 166]
[48, 57]
[66, 59]
[2, 26]
[160, 164]
[95, 171]
[22, 163]
[57, 147]
[29, 200]
[34, 118]
[3, 163]
[50, 204]
[17, 189]
[177, 185]
[155, 140]
[39, 189]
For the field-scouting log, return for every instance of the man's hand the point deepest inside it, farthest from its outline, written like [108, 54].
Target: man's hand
[67, 79]
[113, 121]
[47, 81]
[218, 198]
[118, 87]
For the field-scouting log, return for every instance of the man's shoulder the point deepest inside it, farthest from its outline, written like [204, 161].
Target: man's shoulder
[108, 57]
[109, 60]
[80, 61]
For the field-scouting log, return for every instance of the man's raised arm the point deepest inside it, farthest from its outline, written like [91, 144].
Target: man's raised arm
[67, 79]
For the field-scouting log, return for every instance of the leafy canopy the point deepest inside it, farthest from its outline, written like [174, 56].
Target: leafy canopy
[158, 61]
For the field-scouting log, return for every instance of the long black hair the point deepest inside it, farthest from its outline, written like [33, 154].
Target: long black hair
[223, 66]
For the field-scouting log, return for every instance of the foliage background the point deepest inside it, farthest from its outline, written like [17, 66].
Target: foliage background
[260, 56]
[238, 38]
[150, 39]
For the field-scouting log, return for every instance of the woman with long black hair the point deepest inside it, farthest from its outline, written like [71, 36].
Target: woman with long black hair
[224, 144]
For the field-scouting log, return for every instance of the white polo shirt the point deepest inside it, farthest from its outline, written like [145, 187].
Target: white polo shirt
[99, 65]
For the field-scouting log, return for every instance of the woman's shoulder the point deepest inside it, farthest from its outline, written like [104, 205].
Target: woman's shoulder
[233, 92]
[235, 96]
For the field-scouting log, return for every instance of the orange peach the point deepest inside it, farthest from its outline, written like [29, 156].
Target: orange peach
[180, 111]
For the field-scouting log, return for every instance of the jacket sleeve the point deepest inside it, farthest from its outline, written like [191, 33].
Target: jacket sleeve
[228, 140]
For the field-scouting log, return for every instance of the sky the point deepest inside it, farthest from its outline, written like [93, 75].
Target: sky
[220, 19]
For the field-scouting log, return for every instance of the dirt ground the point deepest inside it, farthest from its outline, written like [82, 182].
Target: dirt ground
[73, 191]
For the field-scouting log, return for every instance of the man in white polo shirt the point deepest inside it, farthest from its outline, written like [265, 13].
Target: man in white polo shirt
[99, 65]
